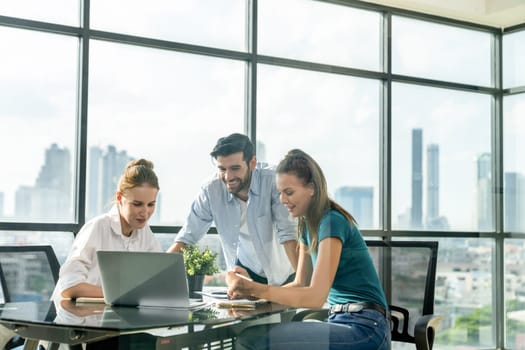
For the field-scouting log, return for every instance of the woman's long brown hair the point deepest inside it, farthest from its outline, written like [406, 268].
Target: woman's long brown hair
[298, 163]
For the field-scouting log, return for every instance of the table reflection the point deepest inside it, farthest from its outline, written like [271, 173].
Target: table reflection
[92, 315]
[68, 312]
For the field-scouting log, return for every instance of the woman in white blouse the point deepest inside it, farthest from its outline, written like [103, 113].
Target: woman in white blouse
[124, 227]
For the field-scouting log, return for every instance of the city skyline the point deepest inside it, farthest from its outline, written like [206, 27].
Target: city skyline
[50, 196]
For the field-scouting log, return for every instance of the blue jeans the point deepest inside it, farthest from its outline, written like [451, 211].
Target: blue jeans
[364, 330]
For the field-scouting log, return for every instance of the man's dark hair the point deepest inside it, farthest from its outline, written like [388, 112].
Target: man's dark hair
[232, 144]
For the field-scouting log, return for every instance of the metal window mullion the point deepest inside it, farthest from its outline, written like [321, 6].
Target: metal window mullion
[40, 26]
[497, 205]
[82, 118]
[514, 90]
[250, 120]
[386, 152]
[39, 226]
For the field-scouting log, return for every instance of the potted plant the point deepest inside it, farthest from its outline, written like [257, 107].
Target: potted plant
[198, 264]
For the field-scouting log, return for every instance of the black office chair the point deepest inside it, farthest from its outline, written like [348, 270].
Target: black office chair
[408, 270]
[27, 273]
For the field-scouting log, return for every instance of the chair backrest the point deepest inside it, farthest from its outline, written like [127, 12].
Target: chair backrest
[28, 272]
[407, 270]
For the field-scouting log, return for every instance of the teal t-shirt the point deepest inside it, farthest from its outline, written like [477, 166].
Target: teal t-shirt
[356, 279]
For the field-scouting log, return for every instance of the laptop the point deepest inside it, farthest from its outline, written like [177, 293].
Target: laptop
[145, 279]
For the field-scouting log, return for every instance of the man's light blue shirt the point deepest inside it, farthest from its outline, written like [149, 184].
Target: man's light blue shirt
[268, 221]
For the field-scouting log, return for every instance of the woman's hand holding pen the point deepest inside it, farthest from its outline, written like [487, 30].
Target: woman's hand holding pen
[238, 283]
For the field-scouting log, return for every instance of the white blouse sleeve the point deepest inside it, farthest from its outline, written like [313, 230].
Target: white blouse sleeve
[80, 261]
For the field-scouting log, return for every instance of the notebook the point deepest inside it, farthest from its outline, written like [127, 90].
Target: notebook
[219, 296]
[145, 279]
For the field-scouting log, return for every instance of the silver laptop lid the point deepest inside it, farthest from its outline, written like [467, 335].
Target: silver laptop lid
[143, 278]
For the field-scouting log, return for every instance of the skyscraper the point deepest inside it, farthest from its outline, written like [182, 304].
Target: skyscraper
[105, 168]
[416, 211]
[359, 201]
[433, 220]
[113, 164]
[484, 196]
[432, 182]
[51, 197]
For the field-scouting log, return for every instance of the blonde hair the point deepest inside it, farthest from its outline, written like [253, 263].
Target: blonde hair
[300, 164]
[137, 173]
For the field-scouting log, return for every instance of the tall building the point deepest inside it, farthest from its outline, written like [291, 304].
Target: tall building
[514, 202]
[359, 201]
[416, 210]
[51, 197]
[484, 193]
[105, 168]
[113, 164]
[432, 184]
[433, 220]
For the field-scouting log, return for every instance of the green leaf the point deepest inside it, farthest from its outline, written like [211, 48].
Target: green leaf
[199, 262]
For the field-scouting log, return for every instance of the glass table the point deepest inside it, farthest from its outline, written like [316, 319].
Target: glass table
[71, 323]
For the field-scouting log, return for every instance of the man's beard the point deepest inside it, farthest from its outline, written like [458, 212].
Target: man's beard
[244, 183]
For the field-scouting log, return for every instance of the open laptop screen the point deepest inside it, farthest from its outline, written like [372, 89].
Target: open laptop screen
[143, 279]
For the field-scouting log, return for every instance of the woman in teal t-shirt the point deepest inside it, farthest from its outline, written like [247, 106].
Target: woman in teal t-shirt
[334, 267]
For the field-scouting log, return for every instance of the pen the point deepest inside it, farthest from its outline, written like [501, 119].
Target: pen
[234, 305]
[242, 276]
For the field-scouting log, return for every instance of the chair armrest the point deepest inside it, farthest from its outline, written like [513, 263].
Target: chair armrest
[425, 331]
[399, 316]
[311, 314]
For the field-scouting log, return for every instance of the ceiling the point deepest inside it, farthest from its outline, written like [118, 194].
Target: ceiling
[495, 13]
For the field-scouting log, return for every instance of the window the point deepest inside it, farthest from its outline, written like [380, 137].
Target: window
[218, 23]
[515, 292]
[513, 56]
[320, 32]
[335, 119]
[164, 106]
[38, 112]
[514, 164]
[60, 241]
[55, 11]
[440, 158]
[464, 293]
[437, 51]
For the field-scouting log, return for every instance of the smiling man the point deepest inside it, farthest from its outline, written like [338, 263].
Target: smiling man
[255, 229]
